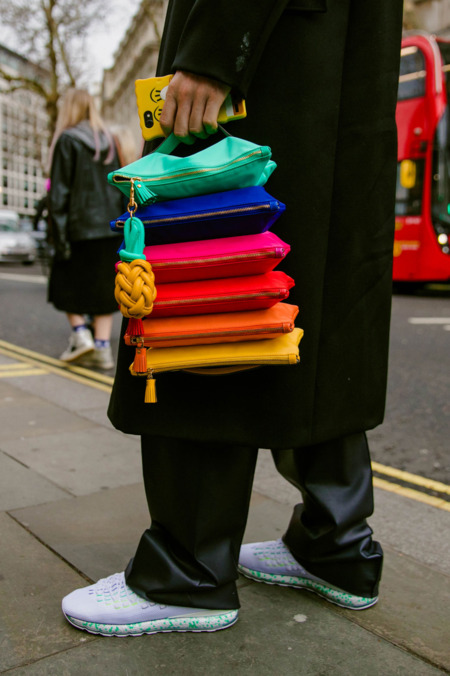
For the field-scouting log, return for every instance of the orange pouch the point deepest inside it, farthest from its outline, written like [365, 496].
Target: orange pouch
[226, 327]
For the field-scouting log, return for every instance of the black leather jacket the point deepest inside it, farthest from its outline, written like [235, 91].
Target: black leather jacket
[81, 201]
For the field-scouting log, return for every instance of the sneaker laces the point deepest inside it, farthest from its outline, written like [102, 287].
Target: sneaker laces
[113, 591]
[275, 554]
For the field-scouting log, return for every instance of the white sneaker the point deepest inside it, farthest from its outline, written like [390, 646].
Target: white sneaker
[111, 608]
[273, 563]
[80, 342]
[100, 358]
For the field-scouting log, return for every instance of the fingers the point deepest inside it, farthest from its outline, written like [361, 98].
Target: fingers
[169, 111]
[192, 106]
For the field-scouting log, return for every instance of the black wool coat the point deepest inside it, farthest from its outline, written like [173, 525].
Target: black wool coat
[320, 80]
[81, 201]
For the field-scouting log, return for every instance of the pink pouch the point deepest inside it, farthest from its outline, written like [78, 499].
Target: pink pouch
[216, 258]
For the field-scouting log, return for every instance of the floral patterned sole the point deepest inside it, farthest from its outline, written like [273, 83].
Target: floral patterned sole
[204, 622]
[337, 596]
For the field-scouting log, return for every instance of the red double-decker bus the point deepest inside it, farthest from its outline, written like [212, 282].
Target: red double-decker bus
[422, 227]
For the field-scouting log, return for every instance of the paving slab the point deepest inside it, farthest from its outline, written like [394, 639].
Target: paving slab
[64, 392]
[99, 417]
[413, 611]
[271, 637]
[97, 533]
[32, 583]
[23, 415]
[81, 461]
[21, 486]
[413, 528]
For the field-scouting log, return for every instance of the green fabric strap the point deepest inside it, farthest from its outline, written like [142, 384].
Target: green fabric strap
[134, 240]
[171, 142]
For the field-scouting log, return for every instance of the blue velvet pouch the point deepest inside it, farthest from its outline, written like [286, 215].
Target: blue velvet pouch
[245, 211]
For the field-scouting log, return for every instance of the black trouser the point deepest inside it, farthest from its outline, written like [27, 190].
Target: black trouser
[198, 496]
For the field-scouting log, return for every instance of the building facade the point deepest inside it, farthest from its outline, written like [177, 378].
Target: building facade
[432, 16]
[136, 58]
[23, 138]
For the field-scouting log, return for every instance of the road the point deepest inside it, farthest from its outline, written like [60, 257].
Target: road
[415, 436]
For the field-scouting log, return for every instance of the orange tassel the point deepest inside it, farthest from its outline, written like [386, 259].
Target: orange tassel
[140, 359]
[150, 390]
[135, 327]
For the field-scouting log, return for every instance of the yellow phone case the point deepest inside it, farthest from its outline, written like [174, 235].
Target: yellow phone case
[150, 96]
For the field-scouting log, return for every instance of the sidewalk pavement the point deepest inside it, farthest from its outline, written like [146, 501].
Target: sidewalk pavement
[72, 509]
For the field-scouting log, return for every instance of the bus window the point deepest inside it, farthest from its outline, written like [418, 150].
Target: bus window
[408, 200]
[440, 193]
[412, 74]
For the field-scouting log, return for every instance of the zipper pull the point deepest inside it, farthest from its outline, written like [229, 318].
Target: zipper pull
[140, 357]
[150, 389]
[143, 194]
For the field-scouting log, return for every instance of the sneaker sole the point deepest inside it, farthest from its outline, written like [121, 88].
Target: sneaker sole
[179, 624]
[91, 364]
[339, 598]
[76, 354]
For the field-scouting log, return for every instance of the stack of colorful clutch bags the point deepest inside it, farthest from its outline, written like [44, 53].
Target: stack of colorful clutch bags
[219, 297]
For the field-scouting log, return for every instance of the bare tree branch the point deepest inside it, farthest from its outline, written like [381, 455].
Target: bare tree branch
[51, 33]
[18, 82]
[149, 9]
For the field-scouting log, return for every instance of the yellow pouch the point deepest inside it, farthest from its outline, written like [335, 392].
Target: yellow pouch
[220, 358]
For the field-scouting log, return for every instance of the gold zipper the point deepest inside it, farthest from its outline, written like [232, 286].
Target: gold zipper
[291, 358]
[211, 334]
[119, 178]
[196, 301]
[202, 216]
[219, 259]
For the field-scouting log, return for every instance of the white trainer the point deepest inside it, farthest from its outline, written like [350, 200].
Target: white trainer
[80, 342]
[111, 608]
[272, 562]
[100, 358]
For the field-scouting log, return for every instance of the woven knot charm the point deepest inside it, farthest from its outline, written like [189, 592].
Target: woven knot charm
[135, 288]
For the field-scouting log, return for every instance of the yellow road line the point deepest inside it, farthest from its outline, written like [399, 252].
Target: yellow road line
[77, 374]
[62, 366]
[22, 372]
[13, 367]
[411, 493]
[411, 478]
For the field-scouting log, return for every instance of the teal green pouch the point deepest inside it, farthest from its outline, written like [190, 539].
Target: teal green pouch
[229, 164]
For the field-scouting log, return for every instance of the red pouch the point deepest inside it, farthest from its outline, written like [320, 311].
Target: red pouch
[227, 327]
[232, 294]
[216, 258]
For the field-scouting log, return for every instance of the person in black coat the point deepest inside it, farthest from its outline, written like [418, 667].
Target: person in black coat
[81, 205]
[320, 81]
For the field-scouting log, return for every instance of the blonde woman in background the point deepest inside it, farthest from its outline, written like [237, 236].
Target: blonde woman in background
[82, 204]
[126, 145]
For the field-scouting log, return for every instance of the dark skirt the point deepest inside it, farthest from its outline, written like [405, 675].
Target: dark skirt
[85, 283]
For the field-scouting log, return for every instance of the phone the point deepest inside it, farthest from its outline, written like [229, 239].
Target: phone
[150, 97]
